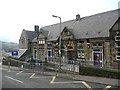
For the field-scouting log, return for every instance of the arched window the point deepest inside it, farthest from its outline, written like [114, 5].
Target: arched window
[81, 47]
[23, 40]
[80, 51]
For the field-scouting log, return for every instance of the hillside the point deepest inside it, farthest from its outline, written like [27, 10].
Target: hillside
[8, 46]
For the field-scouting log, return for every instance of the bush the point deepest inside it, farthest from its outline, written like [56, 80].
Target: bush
[101, 72]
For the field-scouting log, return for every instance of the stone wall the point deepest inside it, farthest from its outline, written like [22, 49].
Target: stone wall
[107, 55]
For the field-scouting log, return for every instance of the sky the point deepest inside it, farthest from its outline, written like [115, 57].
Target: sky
[16, 15]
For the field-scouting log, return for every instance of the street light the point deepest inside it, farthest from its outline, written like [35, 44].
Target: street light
[59, 39]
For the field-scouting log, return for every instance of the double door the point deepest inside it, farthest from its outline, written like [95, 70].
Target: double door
[97, 57]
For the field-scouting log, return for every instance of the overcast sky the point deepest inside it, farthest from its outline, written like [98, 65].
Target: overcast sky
[16, 15]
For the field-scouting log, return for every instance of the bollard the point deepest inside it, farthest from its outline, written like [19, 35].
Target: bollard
[42, 68]
[22, 67]
[8, 66]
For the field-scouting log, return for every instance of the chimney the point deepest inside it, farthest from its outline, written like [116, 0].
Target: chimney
[77, 17]
[36, 28]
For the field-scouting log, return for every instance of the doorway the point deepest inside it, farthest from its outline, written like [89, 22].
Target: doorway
[70, 56]
[97, 57]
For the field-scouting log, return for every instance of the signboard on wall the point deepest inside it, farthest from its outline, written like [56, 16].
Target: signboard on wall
[14, 53]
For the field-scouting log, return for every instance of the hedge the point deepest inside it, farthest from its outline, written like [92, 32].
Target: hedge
[100, 72]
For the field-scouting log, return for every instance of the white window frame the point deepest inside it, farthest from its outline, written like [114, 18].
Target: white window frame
[93, 45]
[42, 42]
[100, 43]
[117, 57]
[116, 45]
[39, 42]
[116, 38]
[100, 51]
[81, 55]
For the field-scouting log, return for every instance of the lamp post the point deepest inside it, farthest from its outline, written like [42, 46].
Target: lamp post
[59, 39]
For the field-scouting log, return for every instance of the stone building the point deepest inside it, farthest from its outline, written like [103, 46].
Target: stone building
[25, 42]
[93, 40]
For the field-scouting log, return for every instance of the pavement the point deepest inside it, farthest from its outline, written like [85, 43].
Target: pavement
[102, 80]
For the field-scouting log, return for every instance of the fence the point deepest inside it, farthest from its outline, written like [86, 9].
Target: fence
[53, 65]
[75, 67]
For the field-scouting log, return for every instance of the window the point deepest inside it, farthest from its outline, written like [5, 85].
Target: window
[56, 53]
[80, 51]
[42, 42]
[39, 42]
[81, 54]
[99, 32]
[117, 33]
[118, 50]
[35, 54]
[68, 33]
[80, 47]
[49, 52]
[88, 45]
[117, 57]
[97, 57]
[118, 54]
[23, 40]
[94, 44]
[117, 38]
[117, 44]
[99, 44]
[80, 41]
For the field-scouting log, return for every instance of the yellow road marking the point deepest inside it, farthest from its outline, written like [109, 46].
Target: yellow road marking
[89, 87]
[54, 77]
[43, 77]
[19, 72]
[107, 87]
[68, 82]
[32, 75]
[52, 81]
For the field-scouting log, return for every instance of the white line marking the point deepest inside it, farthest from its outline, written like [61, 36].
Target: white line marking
[89, 88]
[32, 75]
[43, 77]
[3, 69]
[9, 71]
[107, 87]
[13, 79]
[19, 72]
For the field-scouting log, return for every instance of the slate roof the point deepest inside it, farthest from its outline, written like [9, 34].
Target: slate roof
[45, 33]
[34, 39]
[94, 26]
[30, 35]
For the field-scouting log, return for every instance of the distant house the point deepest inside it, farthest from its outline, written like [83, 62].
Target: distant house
[94, 40]
[25, 42]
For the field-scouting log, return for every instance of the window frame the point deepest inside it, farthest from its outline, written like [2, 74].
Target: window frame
[116, 38]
